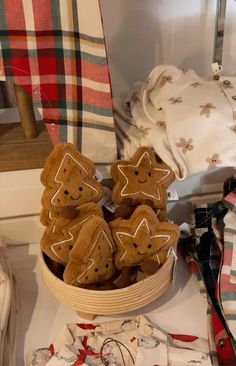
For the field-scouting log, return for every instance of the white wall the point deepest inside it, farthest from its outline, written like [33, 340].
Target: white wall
[141, 34]
[229, 59]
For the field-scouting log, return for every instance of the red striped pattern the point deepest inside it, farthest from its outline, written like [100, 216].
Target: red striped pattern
[58, 79]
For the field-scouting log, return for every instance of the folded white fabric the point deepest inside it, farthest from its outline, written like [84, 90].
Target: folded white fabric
[189, 121]
[8, 311]
[128, 342]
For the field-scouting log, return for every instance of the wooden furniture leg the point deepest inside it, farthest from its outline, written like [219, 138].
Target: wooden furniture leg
[26, 112]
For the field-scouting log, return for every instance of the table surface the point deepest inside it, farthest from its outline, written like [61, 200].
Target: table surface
[181, 309]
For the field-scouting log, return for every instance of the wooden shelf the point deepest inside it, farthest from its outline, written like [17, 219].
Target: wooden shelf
[19, 153]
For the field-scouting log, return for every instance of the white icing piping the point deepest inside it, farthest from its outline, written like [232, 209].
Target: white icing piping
[142, 223]
[135, 166]
[71, 235]
[90, 259]
[62, 162]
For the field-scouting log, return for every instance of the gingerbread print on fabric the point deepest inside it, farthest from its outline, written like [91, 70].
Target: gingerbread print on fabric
[165, 79]
[213, 161]
[185, 144]
[144, 131]
[175, 100]
[206, 109]
[161, 124]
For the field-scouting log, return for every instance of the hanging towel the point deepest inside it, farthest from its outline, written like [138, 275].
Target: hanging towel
[55, 50]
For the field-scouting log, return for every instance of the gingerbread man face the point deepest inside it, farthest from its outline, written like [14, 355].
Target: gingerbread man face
[141, 179]
[141, 237]
[91, 259]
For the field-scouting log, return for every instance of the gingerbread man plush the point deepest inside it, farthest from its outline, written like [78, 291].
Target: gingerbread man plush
[141, 180]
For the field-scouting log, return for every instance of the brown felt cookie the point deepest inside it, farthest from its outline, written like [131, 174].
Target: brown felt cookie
[91, 259]
[59, 238]
[47, 215]
[141, 180]
[141, 237]
[68, 180]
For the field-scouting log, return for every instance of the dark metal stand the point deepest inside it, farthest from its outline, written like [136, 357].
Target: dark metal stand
[219, 31]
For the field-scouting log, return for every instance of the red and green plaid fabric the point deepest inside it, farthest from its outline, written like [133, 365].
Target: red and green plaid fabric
[210, 257]
[55, 50]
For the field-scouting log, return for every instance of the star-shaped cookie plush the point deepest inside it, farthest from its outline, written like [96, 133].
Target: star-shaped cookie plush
[141, 180]
[91, 259]
[141, 237]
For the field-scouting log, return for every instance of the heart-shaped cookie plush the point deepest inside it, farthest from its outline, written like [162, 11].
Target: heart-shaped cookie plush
[141, 180]
[68, 180]
[58, 238]
[142, 237]
[91, 259]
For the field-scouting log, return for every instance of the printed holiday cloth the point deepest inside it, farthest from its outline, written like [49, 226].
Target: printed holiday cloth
[128, 342]
[55, 51]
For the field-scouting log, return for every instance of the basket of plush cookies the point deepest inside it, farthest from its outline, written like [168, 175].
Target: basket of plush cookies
[97, 260]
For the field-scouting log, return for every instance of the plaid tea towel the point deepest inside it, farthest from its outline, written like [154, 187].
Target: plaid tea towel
[55, 51]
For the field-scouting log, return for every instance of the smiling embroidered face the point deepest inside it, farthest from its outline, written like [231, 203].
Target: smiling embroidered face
[140, 245]
[76, 187]
[141, 179]
[141, 237]
[142, 173]
[144, 177]
[68, 177]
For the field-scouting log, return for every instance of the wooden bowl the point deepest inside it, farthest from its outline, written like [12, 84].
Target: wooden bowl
[89, 303]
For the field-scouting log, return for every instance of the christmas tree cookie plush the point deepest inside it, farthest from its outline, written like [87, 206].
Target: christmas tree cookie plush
[68, 180]
[59, 237]
[91, 259]
[141, 180]
[142, 238]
